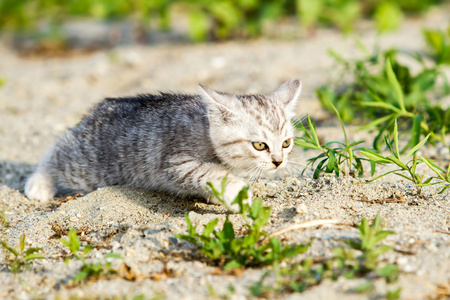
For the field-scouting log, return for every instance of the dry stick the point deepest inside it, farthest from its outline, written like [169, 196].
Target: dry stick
[441, 291]
[313, 223]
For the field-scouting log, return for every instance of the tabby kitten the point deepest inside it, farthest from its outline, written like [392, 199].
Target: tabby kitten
[172, 143]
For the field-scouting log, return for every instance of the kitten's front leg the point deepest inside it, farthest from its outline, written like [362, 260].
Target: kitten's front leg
[194, 175]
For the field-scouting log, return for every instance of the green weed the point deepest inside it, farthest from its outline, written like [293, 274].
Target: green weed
[407, 170]
[439, 44]
[359, 260]
[16, 259]
[337, 157]
[442, 177]
[384, 91]
[254, 249]
[211, 19]
[87, 269]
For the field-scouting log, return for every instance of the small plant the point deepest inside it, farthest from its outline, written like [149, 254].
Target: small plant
[403, 167]
[338, 159]
[384, 91]
[439, 43]
[442, 177]
[254, 249]
[366, 244]
[361, 260]
[20, 258]
[87, 269]
[216, 19]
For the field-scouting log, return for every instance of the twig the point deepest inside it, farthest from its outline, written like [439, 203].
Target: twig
[442, 289]
[441, 231]
[313, 223]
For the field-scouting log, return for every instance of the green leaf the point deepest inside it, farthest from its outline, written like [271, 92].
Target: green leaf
[34, 256]
[389, 271]
[418, 146]
[209, 228]
[377, 122]
[228, 230]
[331, 162]
[384, 105]
[395, 134]
[373, 166]
[113, 255]
[398, 162]
[80, 276]
[318, 169]
[354, 244]
[435, 39]
[396, 85]
[9, 248]
[32, 250]
[232, 265]
[375, 156]
[256, 208]
[73, 240]
[198, 25]
[312, 128]
[306, 145]
[394, 295]
[416, 131]
[388, 16]
[364, 287]
[87, 249]
[309, 11]
[22, 242]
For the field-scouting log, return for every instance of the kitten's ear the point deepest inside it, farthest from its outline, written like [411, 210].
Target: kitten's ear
[288, 94]
[219, 103]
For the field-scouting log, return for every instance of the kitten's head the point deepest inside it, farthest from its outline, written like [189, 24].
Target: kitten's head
[253, 134]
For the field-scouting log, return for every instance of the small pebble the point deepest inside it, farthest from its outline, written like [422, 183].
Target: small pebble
[301, 209]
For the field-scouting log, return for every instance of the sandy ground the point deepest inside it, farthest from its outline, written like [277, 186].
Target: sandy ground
[42, 97]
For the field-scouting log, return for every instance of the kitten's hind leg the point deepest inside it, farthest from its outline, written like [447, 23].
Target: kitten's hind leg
[41, 184]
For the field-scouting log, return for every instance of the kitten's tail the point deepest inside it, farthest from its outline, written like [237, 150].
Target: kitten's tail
[41, 184]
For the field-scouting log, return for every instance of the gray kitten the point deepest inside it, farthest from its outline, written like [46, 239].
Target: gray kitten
[172, 143]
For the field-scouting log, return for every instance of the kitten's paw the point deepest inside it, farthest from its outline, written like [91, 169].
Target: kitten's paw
[40, 187]
[231, 192]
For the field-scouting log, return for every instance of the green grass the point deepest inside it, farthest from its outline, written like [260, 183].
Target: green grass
[254, 249]
[384, 91]
[72, 242]
[360, 259]
[439, 44]
[16, 259]
[336, 157]
[212, 19]
[406, 170]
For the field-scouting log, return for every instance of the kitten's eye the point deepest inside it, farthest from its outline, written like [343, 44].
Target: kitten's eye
[260, 146]
[286, 143]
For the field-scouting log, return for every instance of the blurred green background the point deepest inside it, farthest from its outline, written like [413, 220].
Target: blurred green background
[210, 20]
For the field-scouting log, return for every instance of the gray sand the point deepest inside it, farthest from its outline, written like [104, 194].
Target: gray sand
[43, 97]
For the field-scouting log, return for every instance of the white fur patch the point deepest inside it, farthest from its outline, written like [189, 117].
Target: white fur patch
[40, 187]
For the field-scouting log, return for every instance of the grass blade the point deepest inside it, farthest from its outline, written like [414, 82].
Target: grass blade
[396, 85]
[377, 122]
[375, 157]
[395, 134]
[312, 128]
[418, 146]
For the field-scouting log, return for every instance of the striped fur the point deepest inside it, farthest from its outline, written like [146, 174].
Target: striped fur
[171, 143]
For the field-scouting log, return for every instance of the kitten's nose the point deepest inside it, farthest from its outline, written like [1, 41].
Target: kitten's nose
[276, 163]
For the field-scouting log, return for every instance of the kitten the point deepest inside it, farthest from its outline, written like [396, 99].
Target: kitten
[172, 143]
